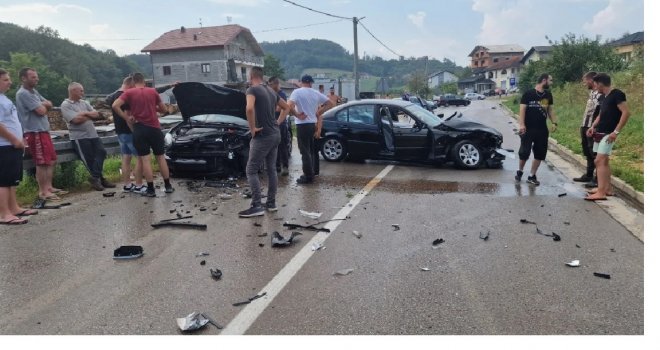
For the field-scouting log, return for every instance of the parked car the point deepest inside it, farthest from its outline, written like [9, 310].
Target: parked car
[431, 105]
[474, 96]
[402, 130]
[214, 136]
[489, 92]
[453, 100]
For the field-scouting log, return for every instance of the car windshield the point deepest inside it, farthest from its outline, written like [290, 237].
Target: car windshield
[424, 115]
[219, 119]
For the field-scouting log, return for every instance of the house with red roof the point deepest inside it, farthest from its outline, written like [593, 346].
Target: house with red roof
[218, 55]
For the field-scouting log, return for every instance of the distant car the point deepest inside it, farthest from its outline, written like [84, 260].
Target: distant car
[489, 92]
[453, 100]
[474, 96]
[431, 105]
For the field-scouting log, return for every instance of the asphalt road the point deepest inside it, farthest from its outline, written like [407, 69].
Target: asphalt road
[57, 275]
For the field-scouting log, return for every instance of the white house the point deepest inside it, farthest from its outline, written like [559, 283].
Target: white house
[440, 78]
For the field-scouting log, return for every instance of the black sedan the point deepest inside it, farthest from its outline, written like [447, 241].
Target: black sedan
[401, 130]
[453, 100]
[214, 137]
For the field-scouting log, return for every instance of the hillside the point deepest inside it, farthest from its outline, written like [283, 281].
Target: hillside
[298, 55]
[98, 71]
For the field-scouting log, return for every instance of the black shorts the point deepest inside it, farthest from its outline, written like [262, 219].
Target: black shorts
[11, 163]
[147, 138]
[534, 140]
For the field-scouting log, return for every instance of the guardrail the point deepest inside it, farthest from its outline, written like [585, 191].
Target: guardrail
[65, 152]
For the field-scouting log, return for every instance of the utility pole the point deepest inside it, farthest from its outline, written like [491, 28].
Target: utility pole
[355, 59]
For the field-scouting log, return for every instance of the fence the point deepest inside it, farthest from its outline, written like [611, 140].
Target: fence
[65, 152]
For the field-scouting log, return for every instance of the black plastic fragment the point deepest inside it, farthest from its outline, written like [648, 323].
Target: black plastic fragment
[562, 194]
[577, 246]
[216, 274]
[556, 237]
[212, 321]
[128, 252]
[109, 194]
[603, 275]
[256, 224]
[305, 227]
[277, 240]
[525, 221]
[484, 236]
[186, 224]
[249, 300]
[438, 241]
[396, 227]
[203, 262]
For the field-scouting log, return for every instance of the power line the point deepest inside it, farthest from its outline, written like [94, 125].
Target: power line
[303, 26]
[317, 11]
[370, 33]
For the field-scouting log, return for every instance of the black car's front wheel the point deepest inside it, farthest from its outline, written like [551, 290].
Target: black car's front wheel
[467, 155]
[333, 149]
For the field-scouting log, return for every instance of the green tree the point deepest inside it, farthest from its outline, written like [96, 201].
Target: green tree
[449, 88]
[530, 75]
[52, 85]
[418, 84]
[272, 67]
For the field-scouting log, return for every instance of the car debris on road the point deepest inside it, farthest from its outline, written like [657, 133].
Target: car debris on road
[574, 263]
[216, 274]
[249, 300]
[277, 240]
[192, 322]
[310, 214]
[603, 275]
[343, 272]
[128, 252]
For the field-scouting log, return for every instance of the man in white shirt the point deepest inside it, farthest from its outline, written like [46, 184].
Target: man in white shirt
[309, 122]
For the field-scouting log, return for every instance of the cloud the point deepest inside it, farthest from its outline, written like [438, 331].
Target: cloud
[510, 22]
[618, 17]
[99, 29]
[417, 19]
[242, 3]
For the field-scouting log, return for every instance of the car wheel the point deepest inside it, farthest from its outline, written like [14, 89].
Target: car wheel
[467, 155]
[333, 149]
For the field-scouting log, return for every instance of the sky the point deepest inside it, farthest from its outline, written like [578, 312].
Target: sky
[412, 28]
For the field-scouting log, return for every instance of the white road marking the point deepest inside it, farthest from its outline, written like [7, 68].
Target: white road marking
[244, 320]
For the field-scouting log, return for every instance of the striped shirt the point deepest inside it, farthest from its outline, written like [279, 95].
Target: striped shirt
[307, 100]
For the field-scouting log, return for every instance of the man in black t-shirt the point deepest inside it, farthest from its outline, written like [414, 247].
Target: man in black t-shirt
[614, 114]
[535, 108]
[264, 128]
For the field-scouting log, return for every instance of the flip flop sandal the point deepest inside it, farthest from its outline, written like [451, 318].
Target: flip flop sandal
[27, 212]
[52, 197]
[595, 199]
[611, 194]
[17, 221]
[60, 192]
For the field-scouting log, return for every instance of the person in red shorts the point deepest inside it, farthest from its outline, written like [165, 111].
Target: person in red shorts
[33, 113]
[147, 136]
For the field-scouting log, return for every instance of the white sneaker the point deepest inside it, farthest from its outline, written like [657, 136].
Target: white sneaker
[140, 190]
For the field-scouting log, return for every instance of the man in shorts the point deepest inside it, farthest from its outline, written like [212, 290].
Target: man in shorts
[125, 136]
[79, 115]
[535, 108]
[11, 157]
[144, 103]
[33, 113]
[614, 114]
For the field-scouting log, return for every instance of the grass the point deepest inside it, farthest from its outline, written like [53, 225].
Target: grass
[627, 161]
[72, 176]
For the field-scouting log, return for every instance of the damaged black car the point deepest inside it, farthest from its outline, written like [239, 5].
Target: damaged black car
[214, 136]
[403, 131]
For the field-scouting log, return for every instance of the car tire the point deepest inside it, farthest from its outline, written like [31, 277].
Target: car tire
[467, 155]
[333, 149]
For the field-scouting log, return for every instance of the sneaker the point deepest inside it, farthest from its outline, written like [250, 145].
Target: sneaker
[169, 189]
[583, 178]
[519, 175]
[285, 171]
[150, 192]
[107, 184]
[96, 184]
[302, 180]
[253, 211]
[532, 180]
[140, 190]
[129, 188]
[271, 206]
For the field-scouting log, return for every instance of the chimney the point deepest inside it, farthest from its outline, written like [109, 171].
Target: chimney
[183, 29]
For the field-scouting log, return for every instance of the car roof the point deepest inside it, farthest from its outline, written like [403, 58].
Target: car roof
[400, 103]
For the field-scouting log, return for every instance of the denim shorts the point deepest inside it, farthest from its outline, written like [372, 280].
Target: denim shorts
[126, 145]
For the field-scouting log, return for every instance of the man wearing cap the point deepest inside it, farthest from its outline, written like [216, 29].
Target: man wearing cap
[309, 122]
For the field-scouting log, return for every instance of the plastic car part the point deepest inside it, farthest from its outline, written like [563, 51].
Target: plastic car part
[249, 300]
[192, 322]
[277, 240]
[128, 252]
[343, 272]
[574, 263]
[216, 274]
[305, 227]
[602, 275]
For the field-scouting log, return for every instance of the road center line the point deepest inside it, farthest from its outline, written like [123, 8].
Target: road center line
[244, 320]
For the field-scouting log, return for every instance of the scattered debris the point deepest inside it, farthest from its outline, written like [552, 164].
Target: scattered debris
[203, 262]
[225, 196]
[41, 204]
[256, 224]
[192, 322]
[310, 214]
[211, 321]
[221, 184]
[577, 246]
[567, 223]
[216, 274]
[276, 239]
[128, 252]
[263, 234]
[249, 300]
[562, 194]
[177, 201]
[603, 275]
[574, 263]
[396, 227]
[317, 246]
[525, 221]
[173, 222]
[357, 234]
[200, 254]
[307, 227]
[612, 250]
[343, 272]
[484, 236]
[425, 269]
[261, 245]
[436, 243]
[109, 194]
[556, 237]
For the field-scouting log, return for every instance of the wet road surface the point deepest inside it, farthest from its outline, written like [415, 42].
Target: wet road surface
[57, 275]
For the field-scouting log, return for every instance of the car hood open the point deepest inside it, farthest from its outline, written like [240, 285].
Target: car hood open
[199, 98]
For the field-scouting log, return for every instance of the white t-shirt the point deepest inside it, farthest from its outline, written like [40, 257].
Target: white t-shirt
[9, 119]
[307, 100]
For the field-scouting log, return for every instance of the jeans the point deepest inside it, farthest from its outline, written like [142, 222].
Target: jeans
[262, 148]
[308, 149]
[92, 154]
[283, 148]
[588, 150]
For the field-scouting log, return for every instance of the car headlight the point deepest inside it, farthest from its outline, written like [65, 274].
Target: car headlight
[168, 140]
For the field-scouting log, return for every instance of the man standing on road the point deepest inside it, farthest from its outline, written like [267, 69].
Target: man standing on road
[282, 163]
[535, 107]
[614, 114]
[590, 112]
[79, 115]
[11, 157]
[309, 122]
[147, 136]
[261, 102]
[33, 112]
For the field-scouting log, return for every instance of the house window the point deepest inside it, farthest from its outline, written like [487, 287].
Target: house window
[206, 68]
[167, 70]
[503, 71]
[495, 60]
